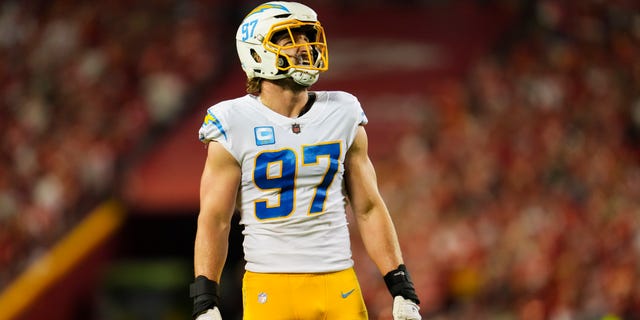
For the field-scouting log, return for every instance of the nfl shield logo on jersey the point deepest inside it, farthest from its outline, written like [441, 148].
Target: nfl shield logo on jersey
[264, 135]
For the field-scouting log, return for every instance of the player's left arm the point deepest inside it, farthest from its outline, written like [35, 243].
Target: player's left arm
[371, 213]
[375, 223]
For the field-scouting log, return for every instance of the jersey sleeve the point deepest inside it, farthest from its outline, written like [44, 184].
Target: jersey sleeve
[217, 125]
[351, 113]
[352, 104]
[362, 116]
[212, 128]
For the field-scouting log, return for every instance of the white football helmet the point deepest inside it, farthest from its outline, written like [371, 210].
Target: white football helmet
[261, 57]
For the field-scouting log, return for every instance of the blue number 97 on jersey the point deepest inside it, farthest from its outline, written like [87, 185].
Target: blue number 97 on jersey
[276, 170]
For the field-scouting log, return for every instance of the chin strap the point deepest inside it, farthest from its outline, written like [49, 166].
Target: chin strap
[303, 77]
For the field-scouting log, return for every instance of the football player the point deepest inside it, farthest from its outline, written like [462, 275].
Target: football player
[291, 160]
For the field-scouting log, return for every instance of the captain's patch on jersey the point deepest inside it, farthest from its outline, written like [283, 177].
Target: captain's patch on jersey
[264, 135]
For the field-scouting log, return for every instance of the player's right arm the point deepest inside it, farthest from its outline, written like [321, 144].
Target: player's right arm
[218, 191]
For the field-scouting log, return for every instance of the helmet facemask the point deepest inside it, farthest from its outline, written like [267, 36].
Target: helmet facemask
[311, 57]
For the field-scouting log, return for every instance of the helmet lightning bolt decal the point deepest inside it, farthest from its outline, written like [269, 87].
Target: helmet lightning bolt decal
[267, 6]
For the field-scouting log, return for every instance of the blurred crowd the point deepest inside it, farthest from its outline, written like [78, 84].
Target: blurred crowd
[82, 84]
[518, 196]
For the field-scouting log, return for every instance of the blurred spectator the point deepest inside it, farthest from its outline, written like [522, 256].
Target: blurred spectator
[520, 198]
[82, 85]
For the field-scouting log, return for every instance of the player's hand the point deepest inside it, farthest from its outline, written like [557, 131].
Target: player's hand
[405, 309]
[211, 314]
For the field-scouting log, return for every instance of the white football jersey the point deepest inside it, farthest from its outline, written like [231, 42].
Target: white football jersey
[291, 197]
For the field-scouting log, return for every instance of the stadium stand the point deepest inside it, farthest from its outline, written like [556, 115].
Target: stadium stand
[84, 85]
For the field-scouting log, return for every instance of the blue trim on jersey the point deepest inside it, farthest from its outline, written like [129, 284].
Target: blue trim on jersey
[211, 118]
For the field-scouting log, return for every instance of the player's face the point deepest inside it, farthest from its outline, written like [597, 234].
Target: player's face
[295, 46]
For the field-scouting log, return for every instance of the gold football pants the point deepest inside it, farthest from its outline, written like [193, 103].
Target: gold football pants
[304, 296]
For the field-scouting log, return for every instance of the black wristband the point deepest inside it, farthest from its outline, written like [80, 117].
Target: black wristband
[399, 283]
[205, 295]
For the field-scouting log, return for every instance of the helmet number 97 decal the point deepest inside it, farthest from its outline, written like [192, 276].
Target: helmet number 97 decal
[248, 29]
